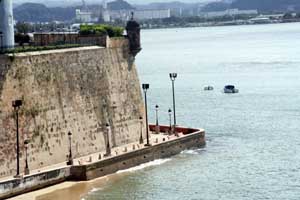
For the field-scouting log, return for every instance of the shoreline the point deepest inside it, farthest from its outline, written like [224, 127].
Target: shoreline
[162, 146]
[78, 190]
[64, 191]
[215, 25]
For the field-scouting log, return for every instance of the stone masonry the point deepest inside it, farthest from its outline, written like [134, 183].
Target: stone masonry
[77, 90]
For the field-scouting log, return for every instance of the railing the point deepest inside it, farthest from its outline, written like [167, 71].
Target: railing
[50, 41]
[45, 39]
[166, 129]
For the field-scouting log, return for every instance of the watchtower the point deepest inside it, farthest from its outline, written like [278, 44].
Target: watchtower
[7, 39]
[133, 33]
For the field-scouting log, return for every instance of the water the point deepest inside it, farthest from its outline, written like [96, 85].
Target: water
[253, 137]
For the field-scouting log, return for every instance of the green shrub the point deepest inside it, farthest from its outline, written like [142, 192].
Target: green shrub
[98, 29]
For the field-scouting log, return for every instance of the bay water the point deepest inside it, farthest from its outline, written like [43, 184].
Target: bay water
[253, 137]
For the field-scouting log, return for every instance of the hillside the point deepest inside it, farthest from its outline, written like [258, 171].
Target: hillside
[261, 5]
[33, 12]
[268, 5]
[119, 5]
[216, 6]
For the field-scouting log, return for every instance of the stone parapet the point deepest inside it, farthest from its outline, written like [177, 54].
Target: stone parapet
[25, 184]
[46, 39]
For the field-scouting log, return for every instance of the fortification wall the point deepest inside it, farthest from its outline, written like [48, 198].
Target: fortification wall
[77, 90]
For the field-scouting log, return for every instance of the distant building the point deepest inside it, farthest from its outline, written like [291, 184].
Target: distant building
[84, 16]
[125, 15]
[112, 15]
[106, 16]
[260, 20]
[152, 14]
[273, 16]
[229, 12]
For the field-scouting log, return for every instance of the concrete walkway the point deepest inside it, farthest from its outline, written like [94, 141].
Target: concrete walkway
[95, 157]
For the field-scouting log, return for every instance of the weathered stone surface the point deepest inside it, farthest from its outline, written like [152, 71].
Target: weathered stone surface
[77, 90]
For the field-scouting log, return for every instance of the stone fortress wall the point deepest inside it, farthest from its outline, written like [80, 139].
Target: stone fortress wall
[77, 90]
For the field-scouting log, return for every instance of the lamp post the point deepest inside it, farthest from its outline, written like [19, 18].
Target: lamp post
[108, 149]
[157, 129]
[141, 127]
[26, 171]
[70, 161]
[145, 88]
[170, 119]
[16, 105]
[173, 76]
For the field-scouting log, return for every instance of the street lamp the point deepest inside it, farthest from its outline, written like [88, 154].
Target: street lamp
[156, 115]
[141, 127]
[173, 76]
[16, 105]
[70, 161]
[26, 171]
[145, 88]
[108, 150]
[170, 119]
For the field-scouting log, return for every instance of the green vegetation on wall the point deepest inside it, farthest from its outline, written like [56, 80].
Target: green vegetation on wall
[100, 29]
[40, 48]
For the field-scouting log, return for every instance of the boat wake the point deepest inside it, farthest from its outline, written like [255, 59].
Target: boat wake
[145, 165]
[193, 151]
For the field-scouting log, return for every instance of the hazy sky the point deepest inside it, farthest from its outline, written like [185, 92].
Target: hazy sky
[88, 1]
[149, 1]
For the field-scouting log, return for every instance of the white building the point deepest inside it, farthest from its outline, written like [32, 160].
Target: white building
[125, 15]
[84, 16]
[112, 15]
[152, 14]
[229, 12]
[106, 16]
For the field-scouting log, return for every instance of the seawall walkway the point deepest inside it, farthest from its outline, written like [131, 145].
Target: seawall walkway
[97, 165]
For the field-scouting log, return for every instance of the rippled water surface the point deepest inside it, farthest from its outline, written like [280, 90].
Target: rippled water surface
[253, 149]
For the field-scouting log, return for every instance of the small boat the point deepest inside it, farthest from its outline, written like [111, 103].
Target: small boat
[209, 88]
[230, 89]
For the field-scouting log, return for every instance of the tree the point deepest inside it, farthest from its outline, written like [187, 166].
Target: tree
[23, 27]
